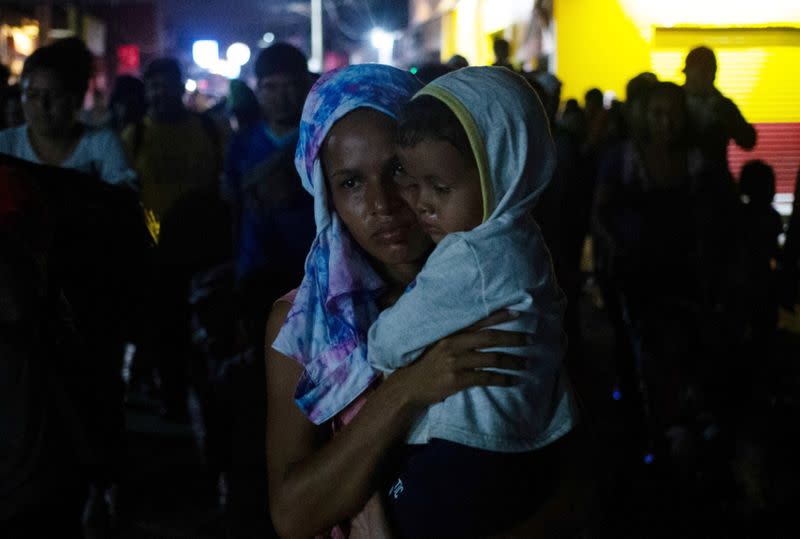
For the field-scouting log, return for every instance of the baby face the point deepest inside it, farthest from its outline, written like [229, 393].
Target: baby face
[441, 186]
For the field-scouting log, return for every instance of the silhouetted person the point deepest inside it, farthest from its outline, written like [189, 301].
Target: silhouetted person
[457, 62]
[761, 225]
[242, 107]
[715, 120]
[13, 115]
[177, 154]
[790, 257]
[283, 82]
[54, 81]
[662, 234]
[635, 93]
[502, 53]
[127, 104]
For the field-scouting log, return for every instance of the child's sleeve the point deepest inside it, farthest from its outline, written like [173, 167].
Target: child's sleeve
[448, 295]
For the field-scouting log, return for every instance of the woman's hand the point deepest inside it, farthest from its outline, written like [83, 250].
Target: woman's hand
[456, 363]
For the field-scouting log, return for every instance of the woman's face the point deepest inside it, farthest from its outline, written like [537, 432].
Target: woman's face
[359, 161]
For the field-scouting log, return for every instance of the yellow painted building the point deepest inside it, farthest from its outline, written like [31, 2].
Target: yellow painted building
[604, 43]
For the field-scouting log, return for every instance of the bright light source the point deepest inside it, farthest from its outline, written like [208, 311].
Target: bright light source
[226, 69]
[238, 54]
[381, 39]
[191, 85]
[205, 53]
[384, 42]
[268, 38]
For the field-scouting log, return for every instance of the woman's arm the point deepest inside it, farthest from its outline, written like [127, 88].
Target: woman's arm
[316, 482]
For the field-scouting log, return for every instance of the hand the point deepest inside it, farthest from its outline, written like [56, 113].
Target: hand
[456, 362]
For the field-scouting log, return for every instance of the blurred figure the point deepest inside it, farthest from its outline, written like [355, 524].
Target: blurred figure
[127, 104]
[665, 222]
[457, 62]
[635, 93]
[502, 53]
[431, 71]
[13, 116]
[53, 84]
[242, 107]
[596, 118]
[65, 272]
[762, 225]
[255, 153]
[177, 154]
[790, 257]
[573, 120]
[715, 120]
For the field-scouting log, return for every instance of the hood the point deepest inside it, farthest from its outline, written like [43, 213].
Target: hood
[509, 134]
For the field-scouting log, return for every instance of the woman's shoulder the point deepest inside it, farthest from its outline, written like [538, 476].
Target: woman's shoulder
[279, 312]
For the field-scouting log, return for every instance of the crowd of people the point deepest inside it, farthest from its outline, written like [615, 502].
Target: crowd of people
[405, 263]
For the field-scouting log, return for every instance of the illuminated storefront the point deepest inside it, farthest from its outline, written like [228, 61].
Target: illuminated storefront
[603, 43]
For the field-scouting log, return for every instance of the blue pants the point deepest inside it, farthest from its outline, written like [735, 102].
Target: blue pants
[446, 489]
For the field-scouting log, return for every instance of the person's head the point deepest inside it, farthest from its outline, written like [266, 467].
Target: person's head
[54, 81]
[439, 175]
[127, 103]
[283, 82]
[163, 85]
[666, 115]
[457, 62]
[700, 70]
[636, 92]
[346, 158]
[242, 105]
[431, 71]
[757, 182]
[594, 101]
[502, 50]
[463, 160]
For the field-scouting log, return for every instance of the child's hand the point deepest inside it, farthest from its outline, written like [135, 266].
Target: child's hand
[456, 362]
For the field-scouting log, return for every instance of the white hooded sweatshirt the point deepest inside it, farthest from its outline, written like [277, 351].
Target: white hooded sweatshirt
[501, 264]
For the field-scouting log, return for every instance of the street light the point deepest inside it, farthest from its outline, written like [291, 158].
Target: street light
[238, 54]
[384, 42]
[205, 53]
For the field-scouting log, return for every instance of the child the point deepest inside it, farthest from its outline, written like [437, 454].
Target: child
[475, 154]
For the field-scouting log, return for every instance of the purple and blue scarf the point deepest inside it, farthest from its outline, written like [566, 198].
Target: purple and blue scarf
[326, 328]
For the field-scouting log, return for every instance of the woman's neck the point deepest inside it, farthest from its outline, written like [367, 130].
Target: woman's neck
[397, 277]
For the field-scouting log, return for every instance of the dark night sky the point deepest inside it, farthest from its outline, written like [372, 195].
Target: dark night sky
[248, 20]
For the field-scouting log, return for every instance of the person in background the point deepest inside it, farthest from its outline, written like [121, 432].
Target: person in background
[761, 225]
[502, 53]
[127, 104]
[178, 157]
[715, 120]
[53, 84]
[12, 107]
[283, 82]
[457, 62]
[242, 106]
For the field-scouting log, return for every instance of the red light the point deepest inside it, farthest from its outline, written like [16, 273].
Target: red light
[128, 60]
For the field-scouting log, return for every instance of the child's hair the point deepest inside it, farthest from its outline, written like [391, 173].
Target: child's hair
[757, 181]
[427, 118]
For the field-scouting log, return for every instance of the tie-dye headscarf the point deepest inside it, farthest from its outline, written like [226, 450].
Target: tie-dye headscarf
[326, 328]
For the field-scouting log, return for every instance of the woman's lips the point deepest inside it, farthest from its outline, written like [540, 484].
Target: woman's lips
[432, 230]
[392, 234]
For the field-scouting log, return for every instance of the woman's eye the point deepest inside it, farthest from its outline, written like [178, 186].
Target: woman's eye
[398, 170]
[349, 183]
[442, 189]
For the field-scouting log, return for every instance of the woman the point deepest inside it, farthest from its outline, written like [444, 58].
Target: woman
[368, 249]
[53, 83]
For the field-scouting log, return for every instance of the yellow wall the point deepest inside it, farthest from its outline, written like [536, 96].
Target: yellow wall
[604, 43]
[758, 69]
[597, 45]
